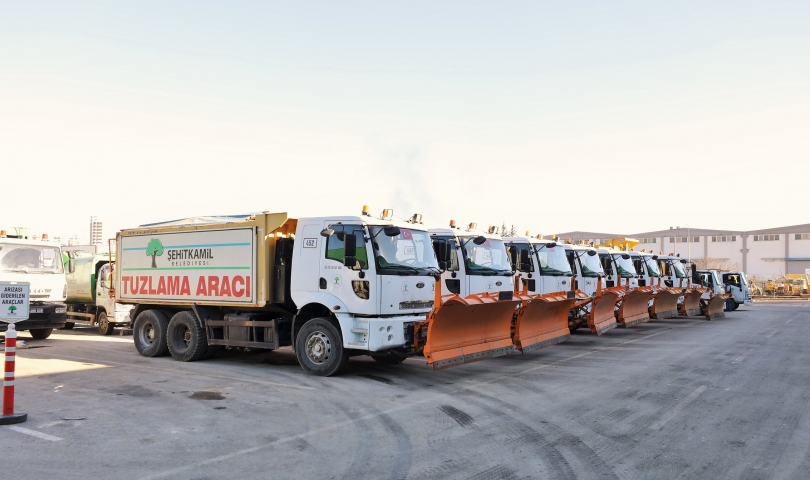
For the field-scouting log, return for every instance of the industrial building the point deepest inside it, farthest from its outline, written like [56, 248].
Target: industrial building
[767, 253]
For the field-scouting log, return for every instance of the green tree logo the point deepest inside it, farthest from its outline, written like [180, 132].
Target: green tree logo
[154, 249]
[12, 309]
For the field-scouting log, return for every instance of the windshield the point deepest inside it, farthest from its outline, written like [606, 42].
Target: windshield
[488, 258]
[652, 267]
[679, 271]
[625, 266]
[552, 260]
[591, 266]
[411, 250]
[30, 258]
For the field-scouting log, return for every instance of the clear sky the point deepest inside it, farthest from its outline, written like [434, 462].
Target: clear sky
[553, 116]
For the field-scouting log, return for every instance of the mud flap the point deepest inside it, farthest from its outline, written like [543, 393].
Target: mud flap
[715, 308]
[542, 321]
[465, 330]
[635, 307]
[665, 303]
[603, 312]
[691, 302]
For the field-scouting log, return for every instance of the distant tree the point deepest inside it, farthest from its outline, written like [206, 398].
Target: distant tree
[155, 248]
[719, 264]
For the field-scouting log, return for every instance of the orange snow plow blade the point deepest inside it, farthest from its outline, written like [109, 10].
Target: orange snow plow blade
[635, 307]
[691, 301]
[465, 330]
[602, 316]
[665, 304]
[542, 320]
[715, 308]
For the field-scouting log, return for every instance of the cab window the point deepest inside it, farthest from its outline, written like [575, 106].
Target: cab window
[334, 244]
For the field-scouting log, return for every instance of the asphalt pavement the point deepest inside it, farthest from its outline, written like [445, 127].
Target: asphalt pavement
[682, 397]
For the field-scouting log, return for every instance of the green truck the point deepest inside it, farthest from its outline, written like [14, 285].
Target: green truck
[91, 293]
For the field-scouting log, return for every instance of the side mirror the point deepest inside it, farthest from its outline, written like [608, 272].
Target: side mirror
[71, 265]
[442, 250]
[350, 250]
[392, 231]
[695, 276]
[327, 232]
[479, 240]
[525, 261]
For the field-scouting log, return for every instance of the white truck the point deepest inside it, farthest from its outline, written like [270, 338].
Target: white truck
[91, 296]
[478, 262]
[38, 262]
[546, 268]
[331, 287]
[737, 285]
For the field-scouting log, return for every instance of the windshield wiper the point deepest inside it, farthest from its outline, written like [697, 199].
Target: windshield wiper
[484, 270]
[407, 268]
[555, 272]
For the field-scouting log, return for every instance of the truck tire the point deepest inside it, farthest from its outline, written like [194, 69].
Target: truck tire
[40, 333]
[211, 351]
[149, 333]
[736, 305]
[731, 304]
[185, 337]
[104, 325]
[319, 348]
[68, 326]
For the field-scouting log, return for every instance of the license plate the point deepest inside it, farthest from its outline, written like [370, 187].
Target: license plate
[36, 310]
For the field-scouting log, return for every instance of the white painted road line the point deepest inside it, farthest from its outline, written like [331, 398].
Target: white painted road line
[34, 433]
[677, 408]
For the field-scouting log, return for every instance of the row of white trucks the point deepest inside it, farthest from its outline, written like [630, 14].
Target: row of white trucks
[335, 287]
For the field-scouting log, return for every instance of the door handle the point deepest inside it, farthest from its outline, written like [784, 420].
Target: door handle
[323, 283]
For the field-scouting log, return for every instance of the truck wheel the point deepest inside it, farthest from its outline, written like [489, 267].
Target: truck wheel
[211, 351]
[40, 333]
[104, 325]
[149, 333]
[731, 304]
[736, 305]
[68, 326]
[319, 348]
[186, 338]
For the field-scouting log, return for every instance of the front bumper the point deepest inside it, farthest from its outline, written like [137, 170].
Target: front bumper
[48, 315]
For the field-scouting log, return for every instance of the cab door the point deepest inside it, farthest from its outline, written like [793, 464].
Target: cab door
[103, 290]
[353, 286]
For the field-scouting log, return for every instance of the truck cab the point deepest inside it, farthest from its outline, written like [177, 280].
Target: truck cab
[585, 266]
[619, 267]
[38, 262]
[541, 264]
[647, 266]
[738, 287]
[375, 275]
[90, 299]
[709, 279]
[479, 262]
[673, 272]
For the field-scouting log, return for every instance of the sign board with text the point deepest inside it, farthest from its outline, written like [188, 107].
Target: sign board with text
[14, 298]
